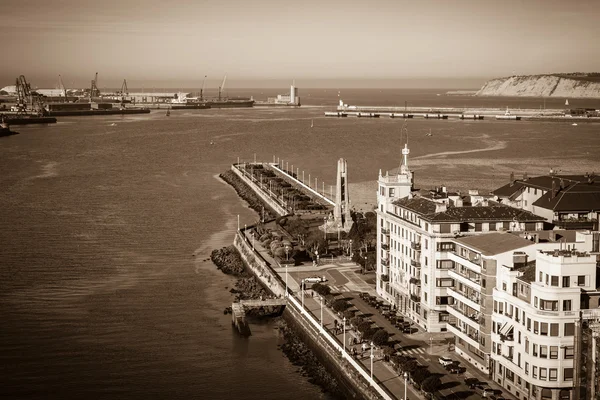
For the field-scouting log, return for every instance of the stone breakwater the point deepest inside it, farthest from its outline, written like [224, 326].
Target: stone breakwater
[301, 356]
[254, 202]
[247, 287]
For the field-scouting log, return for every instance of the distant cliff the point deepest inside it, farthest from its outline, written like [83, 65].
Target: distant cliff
[564, 86]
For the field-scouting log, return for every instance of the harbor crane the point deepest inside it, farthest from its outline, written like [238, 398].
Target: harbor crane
[222, 87]
[94, 91]
[26, 97]
[202, 90]
[61, 86]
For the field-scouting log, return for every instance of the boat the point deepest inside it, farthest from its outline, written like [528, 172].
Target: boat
[168, 112]
[574, 124]
[429, 134]
[566, 102]
[229, 102]
[5, 130]
[508, 115]
[312, 123]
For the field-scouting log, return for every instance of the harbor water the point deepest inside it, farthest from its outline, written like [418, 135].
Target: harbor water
[106, 224]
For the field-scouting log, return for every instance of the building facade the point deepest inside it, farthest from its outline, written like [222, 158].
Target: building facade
[414, 238]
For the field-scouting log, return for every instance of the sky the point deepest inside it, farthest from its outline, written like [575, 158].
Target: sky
[266, 43]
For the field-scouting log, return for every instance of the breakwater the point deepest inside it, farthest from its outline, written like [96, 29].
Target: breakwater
[249, 195]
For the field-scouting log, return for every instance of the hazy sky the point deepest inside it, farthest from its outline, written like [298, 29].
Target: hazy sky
[177, 42]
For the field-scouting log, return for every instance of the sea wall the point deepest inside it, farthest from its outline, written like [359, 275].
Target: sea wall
[540, 86]
[248, 194]
[269, 201]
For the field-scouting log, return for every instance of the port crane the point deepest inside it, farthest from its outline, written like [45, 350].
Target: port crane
[202, 90]
[61, 86]
[25, 96]
[94, 91]
[222, 87]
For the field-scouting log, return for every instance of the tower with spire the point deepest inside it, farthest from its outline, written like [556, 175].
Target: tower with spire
[396, 185]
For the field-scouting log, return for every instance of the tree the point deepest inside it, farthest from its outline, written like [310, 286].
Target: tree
[321, 289]
[315, 243]
[431, 384]
[363, 326]
[340, 305]
[369, 333]
[409, 365]
[349, 314]
[356, 321]
[381, 337]
[419, 375]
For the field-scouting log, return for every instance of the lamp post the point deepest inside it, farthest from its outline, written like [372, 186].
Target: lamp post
[344, 337]
[286, 284]
[303, 289]
[431, 345]
[372, 357]
[405, 385]
[325, 228]
[321, 312]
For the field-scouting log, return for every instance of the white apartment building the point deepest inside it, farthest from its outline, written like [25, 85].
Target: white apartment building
[414, 238]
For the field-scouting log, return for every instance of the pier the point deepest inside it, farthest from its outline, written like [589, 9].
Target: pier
[266, 307]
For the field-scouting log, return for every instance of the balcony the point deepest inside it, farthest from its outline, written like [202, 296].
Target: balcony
[463, 335]
[476, 285]
[577, 223]
[469, 300]
[415, 298]
[472, 265]
[385, 247]
[385, 278]
[415, 263]
[415, 246]
[385, 231]
[385, 262]
[415, 281]
[461, 315]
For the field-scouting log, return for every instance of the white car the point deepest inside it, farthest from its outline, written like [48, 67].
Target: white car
[315, 279]
[445, 361]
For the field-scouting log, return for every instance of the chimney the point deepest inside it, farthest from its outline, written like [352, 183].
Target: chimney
[512, 178]
[553, 189]
[525, 176]
[440, 207]
[562, 184]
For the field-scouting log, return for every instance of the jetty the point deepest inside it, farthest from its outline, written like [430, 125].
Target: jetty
[265, 307]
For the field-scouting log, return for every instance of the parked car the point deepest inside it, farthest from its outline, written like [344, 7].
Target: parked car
[488, 393]
[445, 361]
[315, 279]
[455, 369]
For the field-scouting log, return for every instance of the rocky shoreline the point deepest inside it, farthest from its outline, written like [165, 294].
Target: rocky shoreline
[246, 287]
[301, 356]
[254, 202]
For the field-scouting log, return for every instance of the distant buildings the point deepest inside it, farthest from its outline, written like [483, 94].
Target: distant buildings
[522, 301]
[292, 98]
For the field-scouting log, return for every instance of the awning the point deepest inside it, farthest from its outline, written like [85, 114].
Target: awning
[506, 329]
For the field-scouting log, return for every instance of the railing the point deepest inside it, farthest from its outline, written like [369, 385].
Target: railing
[415, 281]
[385, 277]
[415, 263]
[415, 298]
[385, 247]
[415, 246]
[385, 231]
[385, 262]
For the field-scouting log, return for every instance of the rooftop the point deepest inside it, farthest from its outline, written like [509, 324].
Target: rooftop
[494, 243]
[572, 192]
[426, 208]
[528, 274]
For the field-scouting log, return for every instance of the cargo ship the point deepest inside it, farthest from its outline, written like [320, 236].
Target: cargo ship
[77, 109]
[231, 103]
[16, 119]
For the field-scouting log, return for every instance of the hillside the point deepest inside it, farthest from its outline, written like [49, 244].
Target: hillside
[557, 85]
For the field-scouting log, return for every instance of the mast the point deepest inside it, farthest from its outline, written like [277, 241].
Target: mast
[202, 90]
[222, 87]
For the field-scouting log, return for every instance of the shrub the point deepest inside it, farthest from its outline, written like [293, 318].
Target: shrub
[321, 289]
[381, 337]
[356, 321]
[349, 314]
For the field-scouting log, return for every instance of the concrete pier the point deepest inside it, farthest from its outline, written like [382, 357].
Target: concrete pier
[269, 307]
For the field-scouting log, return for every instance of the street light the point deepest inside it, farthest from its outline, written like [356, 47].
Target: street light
[303, 290]
[325, 228]
[405, 385]
[321, 312]
[372, 357]
[344, 338]
[286, 285]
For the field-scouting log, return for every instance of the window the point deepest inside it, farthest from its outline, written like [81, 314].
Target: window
[534, 371]
[541, 276]
[581, 280]
[535, 301]
[566, 281]
[567, 305]
[544, 328]
[528, 323]
[504, 286]
[569, 329]
[536, 327]
[535, 350]
[554, 281]
[553, 374]
[547, 279]
[554, 352]
[526, 368]
[543, 373]
[543, 351]
[553, 329]
[569, 352]
[527, 345]
[568, 374]
[392, 192]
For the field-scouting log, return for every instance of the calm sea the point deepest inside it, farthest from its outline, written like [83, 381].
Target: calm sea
[105, 223]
